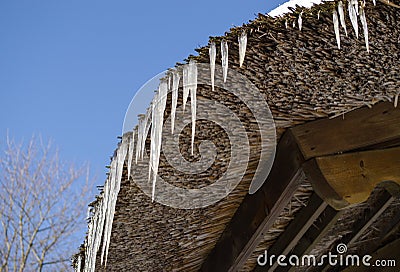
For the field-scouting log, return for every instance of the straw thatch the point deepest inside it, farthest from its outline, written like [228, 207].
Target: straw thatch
[302, 76]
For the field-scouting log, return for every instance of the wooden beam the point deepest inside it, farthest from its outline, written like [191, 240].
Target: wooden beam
[360, 129]
[314, 235]
[348, 179]
[258, 211]
[296, 229]
[359, 228]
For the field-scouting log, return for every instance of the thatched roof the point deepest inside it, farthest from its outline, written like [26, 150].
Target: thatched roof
[303, 76]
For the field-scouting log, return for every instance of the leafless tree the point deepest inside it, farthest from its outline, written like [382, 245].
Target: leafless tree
[42, 207]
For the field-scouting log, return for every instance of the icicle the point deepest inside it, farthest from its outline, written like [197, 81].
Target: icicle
[286, 24]
[353, 17]
[78, 268]
[193, 99]
[224, 53]
[342, 18]
[185, 85]
[108, 207]
[175, 86]
[242, 47]
[153, 133]
[169, 81]
[374, 1]
[319, 12]
[130, 152]
[396, 100]
[121, 156]
[336, 27]
[300, 21]
[140, 137]
[355, 4]
[363, 20]
[156, 132]
[146, 127]
[294, 24]
[213, 55]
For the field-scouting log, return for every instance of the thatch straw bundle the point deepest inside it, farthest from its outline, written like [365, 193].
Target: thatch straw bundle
[302, 76]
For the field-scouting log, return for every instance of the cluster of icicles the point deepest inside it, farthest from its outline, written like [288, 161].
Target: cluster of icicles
[354, 10]
[102, 215]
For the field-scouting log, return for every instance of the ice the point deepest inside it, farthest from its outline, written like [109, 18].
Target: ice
[353, 16]
[130, 152]
[175, 87]
[374, 2]
[79, 264]
[121, 156]
[146, 127]
[341, 16]
[108, 200]
[185, 85]
[213, 54]
[319, 14]
[224, 59]
[336, 27]
[396, 100]
[363, 20]
[300, 21]
[286, 24]
[242, 47]
[355, 4]
[139, 137]
[156, 132]
[193, 99]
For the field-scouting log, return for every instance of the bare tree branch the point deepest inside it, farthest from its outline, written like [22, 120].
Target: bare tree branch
[42, 204]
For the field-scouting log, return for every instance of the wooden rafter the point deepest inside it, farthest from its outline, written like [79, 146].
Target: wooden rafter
[310, 148]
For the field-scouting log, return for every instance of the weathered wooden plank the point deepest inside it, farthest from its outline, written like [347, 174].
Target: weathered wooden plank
[359, 129]
[296, 229]
[314, 234]
[258, 211]
[347, 179]
[359, 228]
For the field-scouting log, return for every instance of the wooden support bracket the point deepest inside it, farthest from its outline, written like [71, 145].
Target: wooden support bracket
[347, 179]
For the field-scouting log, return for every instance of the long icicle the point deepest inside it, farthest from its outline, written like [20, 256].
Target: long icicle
[175, 86]
[336, 27]
[139, 137]
[153, 133]
[355, 4]
[193, 99]
[108, 201]
[146, 127]
[130, 152]
[242, 47]
[363, 20]
[342, 16]
[185, 85]
[300, 21]
[353, 17]
[224, 58]
[157, 128]
[213, 55]
[121, 156]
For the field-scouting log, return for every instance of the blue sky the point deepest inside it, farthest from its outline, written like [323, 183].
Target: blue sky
[69, 69]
